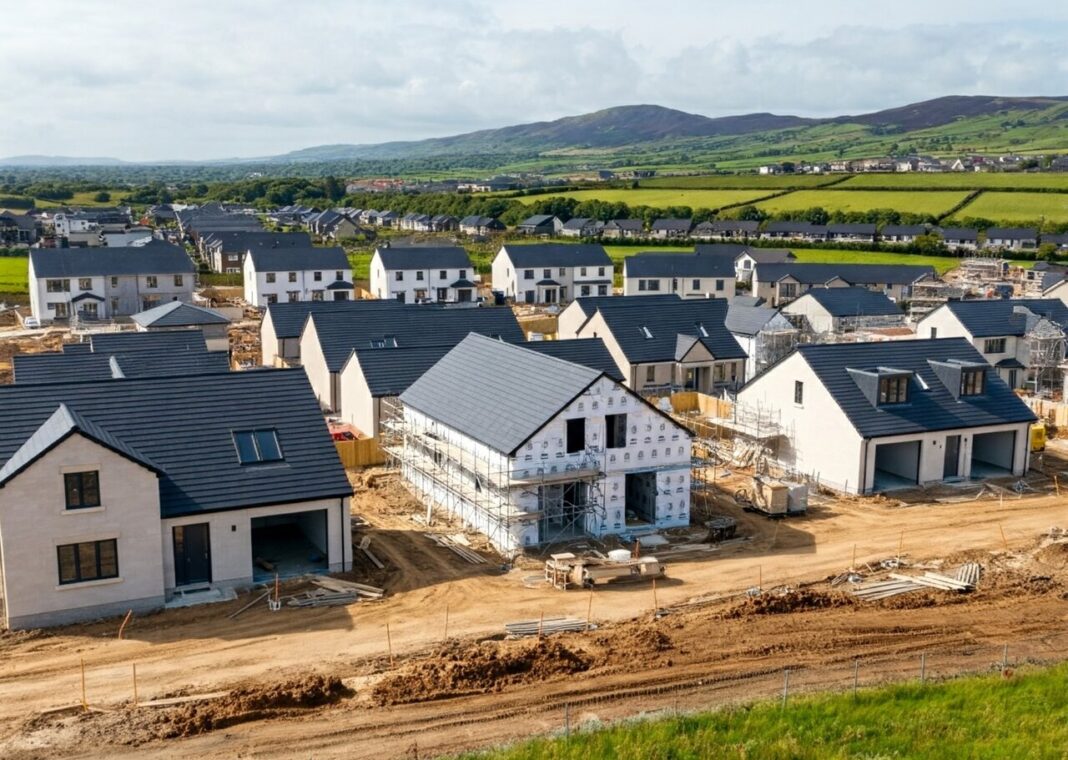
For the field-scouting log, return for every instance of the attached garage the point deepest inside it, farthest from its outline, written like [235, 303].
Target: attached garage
[993, 454]
[897, 465]
[289, 545]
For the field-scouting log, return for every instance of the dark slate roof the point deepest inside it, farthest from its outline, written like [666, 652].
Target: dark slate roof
[576, 223]
[480, 221]
[770, 255]
[997, 317]
[933, 409]
[665, 321]
[807, 228]
[851, 302]
[389, 373]
[852, 229]
[185, 427]
[677, 225]
[743, 300]
[128, 342]
[424, 257]
[537, 220]
[903, 229]
[154, 258]
[748, 319]
[511, 397]
[858, 274]
[728, 225]
[290, 259]
[557, 255]
[625, 225]
[1058, 240]
[1011, 233]
[340, 333]
[589, 352]
[56, 429]
[239, 241]
[730, 251]
[288, 318]
[654, 264]
[957, 233]
[178, 314]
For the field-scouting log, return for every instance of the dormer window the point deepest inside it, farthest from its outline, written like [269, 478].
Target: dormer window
[257, 446]
[893, 389]
[972, 382]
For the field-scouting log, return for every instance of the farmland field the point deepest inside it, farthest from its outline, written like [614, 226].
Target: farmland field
[968, 180]
[933, 203]
[990, 716]
[1019, 207]
[13, 274]
[741, 181]
[660, 198]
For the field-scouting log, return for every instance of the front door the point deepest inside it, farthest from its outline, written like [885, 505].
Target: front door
[192, 554]
[341, 295]
[443, 295]
[951, 467]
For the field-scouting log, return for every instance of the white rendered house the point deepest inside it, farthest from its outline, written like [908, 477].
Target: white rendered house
[284, 275]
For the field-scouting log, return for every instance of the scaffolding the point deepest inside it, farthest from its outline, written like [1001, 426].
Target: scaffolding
[494, 493]
[928, 295]
[1045, 345]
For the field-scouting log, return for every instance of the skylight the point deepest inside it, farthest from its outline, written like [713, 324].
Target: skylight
[256, 446]
[645, 332]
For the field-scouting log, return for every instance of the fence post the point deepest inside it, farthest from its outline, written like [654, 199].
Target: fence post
[1005, 658]
[923, 667]
[567, 720]
[85, 702]
[785, 687]
[856, 676]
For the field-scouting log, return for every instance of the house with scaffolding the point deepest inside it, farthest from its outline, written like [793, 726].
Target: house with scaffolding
[764, 334]
[534, 449]
[1023, 338]
[827, 313]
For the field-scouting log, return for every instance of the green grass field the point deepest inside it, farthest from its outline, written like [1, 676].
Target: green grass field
[83, 199]
[661, 198]
[13, 274]
[979, 717]
[865, 200]
[954, 180]
[741, 181]
[1019, 207]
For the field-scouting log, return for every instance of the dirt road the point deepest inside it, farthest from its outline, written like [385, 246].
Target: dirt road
[198, 650]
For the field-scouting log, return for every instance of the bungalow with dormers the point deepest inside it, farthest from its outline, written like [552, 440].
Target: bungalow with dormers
[869, 417]
[120, 494]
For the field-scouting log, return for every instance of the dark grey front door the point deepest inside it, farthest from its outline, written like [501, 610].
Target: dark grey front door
[950, 469]
[192, 554]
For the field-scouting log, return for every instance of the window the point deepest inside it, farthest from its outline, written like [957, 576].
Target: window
[562, 271]
[650, 373]
[292, 276]
[648, 284]
[59, 308]
[547, 274]
[317, 276]
[934, 332]
[584, 290]
[994, 346]
[799, 392]
[582, 271]
[338, 275]
[85, 283]
[576, 435]
[89, 561]
[602, 290]
[178, 281]
[270, 277]
[528, 274]
[419, 275]
[114, 282]
[317, 295]
[600, 271]
[398, 276]
[443, 275]
[255, 446]
[788, 289]
[82, 489]
[293, 295]
[463, 274]
[151, 281]
[972, 382]
[894, 390]
[615, 431]
[696, 285]
[719, 285]
[57, 286]
[272, 298]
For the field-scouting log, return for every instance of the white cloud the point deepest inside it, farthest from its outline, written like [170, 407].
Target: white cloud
[210, 79]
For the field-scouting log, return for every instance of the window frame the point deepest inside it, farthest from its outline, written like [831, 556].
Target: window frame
[994, 345]
[572, 432]
[80, 489]
[151, 281]
[615, 431]
[799, 392]
[97, 561]
[254, 438]
[893, 390]
[972, 382]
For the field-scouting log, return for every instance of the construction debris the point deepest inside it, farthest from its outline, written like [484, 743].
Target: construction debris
[545, 626]
[450, 543]
[721, 528]
[365, 547]
[565, 569]
[964, 580]
[334, 592]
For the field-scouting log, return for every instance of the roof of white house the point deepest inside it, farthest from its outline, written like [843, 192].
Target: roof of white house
[297, 259]
[423, 257]
[156, 257]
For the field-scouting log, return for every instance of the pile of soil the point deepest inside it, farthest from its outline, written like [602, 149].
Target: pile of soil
[458, 669]
[1054, 555]
[248, 703]
[636, 640]
[800, 600]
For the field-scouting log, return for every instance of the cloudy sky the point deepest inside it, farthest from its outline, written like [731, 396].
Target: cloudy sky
[198, 79]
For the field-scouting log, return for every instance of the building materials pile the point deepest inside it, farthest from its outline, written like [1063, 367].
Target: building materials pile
[545, 626]
[565, 570]
[965, 579]
[456, 547]
[333, 592]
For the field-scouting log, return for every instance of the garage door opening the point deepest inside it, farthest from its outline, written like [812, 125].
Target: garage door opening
[992, 454]
[640, 489]
[897, 465]
[289, 545]
[564, 507]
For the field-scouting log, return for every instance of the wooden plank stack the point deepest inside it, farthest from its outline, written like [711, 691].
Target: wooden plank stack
[468, 555]
[546, 626]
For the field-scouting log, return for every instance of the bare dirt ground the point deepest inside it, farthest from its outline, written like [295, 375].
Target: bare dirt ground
[319, 681]
[14, 340]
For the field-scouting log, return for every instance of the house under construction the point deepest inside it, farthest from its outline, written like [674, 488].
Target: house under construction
[529, 449]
